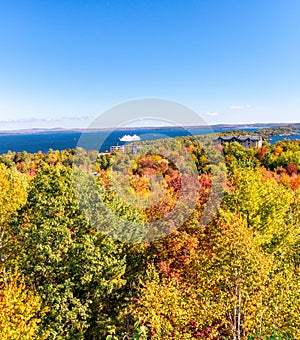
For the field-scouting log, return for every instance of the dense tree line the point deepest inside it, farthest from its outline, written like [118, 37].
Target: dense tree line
[236, 277]
[265, 133]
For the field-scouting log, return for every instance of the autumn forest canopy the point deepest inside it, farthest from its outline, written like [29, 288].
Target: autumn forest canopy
[68, 272]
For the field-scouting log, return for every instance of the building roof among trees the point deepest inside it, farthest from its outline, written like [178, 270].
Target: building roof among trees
[240, 138]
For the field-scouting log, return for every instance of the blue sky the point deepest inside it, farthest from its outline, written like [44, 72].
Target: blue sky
[233, 61]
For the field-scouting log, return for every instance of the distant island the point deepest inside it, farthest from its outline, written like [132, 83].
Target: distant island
[266, 132]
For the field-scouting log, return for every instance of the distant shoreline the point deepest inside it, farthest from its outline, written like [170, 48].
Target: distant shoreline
[81, 130]
[34, 140]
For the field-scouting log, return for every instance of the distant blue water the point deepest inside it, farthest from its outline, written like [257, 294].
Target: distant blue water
[67, 140]
[275, 139]
[38, 142]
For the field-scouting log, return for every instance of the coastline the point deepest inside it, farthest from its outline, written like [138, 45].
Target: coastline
[171, 127]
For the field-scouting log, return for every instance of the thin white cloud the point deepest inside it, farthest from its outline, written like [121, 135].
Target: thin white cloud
[212, 113]
[240, 107]
[45, 120]
[46, 123]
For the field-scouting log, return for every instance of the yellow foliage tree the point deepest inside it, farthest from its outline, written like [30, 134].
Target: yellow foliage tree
[13, 195]
[20, 310]
[225, 286]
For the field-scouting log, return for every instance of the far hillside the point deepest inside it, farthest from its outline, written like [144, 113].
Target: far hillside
[265, 133]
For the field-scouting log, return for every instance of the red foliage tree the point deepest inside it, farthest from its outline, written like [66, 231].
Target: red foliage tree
[291, 169]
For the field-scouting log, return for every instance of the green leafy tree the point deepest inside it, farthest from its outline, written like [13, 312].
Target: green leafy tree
[73, 267]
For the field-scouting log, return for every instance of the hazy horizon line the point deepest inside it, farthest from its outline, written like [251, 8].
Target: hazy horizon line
[61, 128]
